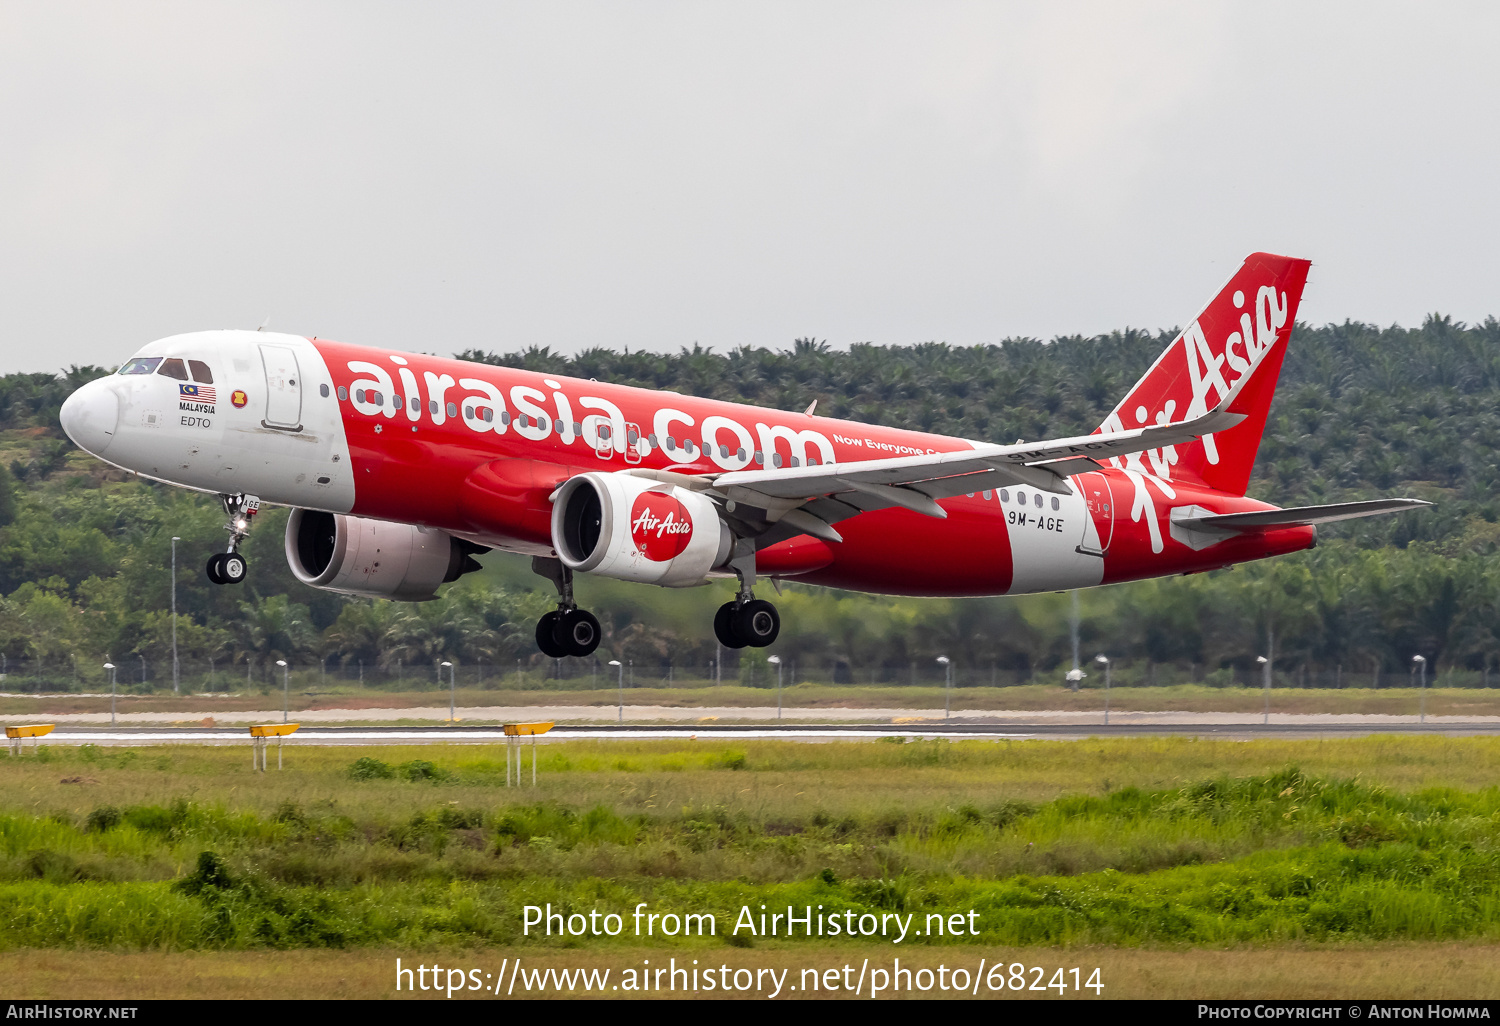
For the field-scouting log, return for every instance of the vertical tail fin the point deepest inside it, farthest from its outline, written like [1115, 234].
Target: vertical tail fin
[1241, 334]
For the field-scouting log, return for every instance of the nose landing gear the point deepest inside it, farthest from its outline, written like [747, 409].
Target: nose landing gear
[227, 568]
[230, 567]
[569, 631]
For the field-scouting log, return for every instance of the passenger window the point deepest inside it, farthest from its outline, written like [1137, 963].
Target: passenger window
[201, 373]
[343, 393]
[323, 391]
[173, 369]
[1037, 500]
[141, 365]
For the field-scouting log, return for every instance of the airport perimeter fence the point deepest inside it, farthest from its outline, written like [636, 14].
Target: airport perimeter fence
[135, 675]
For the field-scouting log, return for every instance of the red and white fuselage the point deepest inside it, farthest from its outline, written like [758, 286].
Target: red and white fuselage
[478, 452]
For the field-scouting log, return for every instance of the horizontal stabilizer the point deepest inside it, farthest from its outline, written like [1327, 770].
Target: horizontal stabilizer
[1301, 516]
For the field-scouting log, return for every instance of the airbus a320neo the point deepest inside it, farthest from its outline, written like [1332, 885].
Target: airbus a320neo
[401, 467]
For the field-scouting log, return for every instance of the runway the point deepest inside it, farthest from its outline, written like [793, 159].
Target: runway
[958, 731]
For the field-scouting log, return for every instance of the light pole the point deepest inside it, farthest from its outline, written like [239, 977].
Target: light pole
[1073, 676]
[1073, 629]
[175, 668]
[111, 668]
[285, 688]
[1265, 685]
[1103, 660]
[451, 686]
[776, 662]
[947, 665]
[1421, 664]
[616, 662]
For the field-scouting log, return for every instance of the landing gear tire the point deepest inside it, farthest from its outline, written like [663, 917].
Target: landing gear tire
[227, 568]
[232, 568]
[577, 630]
[547, 636]
[724, 627]
[757, 623]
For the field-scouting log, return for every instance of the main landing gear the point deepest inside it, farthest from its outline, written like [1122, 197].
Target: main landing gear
[747, 621]
[230, 567]
[569, 631]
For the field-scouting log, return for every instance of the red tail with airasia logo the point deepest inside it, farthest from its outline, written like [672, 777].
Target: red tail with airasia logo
[1242, 334]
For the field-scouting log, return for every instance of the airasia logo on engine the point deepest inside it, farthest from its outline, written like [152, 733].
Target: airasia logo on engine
[660, 526]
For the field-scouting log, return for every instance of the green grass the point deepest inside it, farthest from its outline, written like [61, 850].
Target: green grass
[1141, 841]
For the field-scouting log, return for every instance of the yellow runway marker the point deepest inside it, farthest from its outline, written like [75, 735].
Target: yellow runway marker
[262, 734]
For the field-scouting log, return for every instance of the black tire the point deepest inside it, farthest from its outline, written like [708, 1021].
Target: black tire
[546, 636]
[232, 567]
[724, 627]
[578, 631]
[212, 569]
[757, 622]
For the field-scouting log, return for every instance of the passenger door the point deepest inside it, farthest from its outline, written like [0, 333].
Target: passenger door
[283, 388]
[1099, 498]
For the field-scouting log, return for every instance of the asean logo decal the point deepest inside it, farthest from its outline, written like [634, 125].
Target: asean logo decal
[239, 398]
[660, 526]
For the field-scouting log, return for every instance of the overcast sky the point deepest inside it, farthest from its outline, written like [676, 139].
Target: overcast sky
[440, 176]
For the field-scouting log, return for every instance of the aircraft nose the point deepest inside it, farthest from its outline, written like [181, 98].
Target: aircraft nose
[90, 416]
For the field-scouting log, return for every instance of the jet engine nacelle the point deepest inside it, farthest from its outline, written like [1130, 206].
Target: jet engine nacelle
[636, 529]
[375, 558]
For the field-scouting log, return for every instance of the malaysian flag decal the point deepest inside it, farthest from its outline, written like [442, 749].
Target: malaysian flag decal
[196, 393]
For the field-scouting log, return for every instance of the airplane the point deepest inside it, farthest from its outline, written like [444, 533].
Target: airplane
[400, 468]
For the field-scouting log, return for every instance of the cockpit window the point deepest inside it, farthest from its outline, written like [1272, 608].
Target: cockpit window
[141, 365]
[173, 369]
[201, 373]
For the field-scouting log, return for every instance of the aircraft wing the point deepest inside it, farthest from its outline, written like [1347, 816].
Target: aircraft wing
[810, 498]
